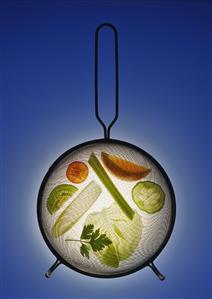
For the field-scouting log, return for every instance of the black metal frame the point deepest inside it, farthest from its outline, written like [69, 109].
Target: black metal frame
[150, 261]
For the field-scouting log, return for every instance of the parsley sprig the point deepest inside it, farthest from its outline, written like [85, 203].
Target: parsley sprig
[91, 239]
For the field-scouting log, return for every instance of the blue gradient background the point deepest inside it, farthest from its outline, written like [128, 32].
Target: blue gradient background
[47, 106]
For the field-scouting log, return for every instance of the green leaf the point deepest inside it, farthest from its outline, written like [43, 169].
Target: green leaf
[95, 235]
[93, 239]
[84, 250]
[98, 242]
[86, 232]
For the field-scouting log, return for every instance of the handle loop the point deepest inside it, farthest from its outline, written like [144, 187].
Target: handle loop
[106, 129]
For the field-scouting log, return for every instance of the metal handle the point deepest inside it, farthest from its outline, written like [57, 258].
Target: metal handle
[52, 268]
[106, 129]
[156, 271]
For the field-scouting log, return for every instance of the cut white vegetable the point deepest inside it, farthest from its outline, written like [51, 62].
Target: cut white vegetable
[125, 234]
[76, 209]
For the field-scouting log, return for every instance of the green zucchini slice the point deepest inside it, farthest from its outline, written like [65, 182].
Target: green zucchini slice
[148, 196]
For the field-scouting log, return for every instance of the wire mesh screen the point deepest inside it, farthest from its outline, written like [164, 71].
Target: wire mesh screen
[106, 208]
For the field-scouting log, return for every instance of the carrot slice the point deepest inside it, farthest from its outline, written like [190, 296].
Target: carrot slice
[77, 172]
[124, 169]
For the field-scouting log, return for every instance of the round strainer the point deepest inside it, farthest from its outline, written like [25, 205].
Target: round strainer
[106, 208]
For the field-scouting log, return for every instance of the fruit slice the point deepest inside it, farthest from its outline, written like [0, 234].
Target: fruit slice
[76, 209]
[77, 172]
[58, 196]
[124, 169]
[148, 196]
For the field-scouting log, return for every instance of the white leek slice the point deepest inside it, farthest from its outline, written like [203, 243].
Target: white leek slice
[76, 209]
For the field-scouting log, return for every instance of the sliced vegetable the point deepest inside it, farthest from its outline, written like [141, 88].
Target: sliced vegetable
[77, 172]
[124, 234]
[76, 209]
[91, 240]
[103, 176]
[148, 196]
[124, 169]
[58, 196]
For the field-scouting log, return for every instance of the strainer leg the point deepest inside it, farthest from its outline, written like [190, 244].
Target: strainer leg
[156, 271]
[52, 268]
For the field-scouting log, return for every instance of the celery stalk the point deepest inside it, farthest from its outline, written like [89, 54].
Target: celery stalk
[105, 179]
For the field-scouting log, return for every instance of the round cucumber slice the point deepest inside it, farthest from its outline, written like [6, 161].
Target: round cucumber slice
[58, 197]
[148, 196]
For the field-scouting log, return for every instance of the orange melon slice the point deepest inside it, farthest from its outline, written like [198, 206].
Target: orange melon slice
[124, 169]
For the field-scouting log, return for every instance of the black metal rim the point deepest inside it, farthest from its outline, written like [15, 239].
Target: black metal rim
[173, 209]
